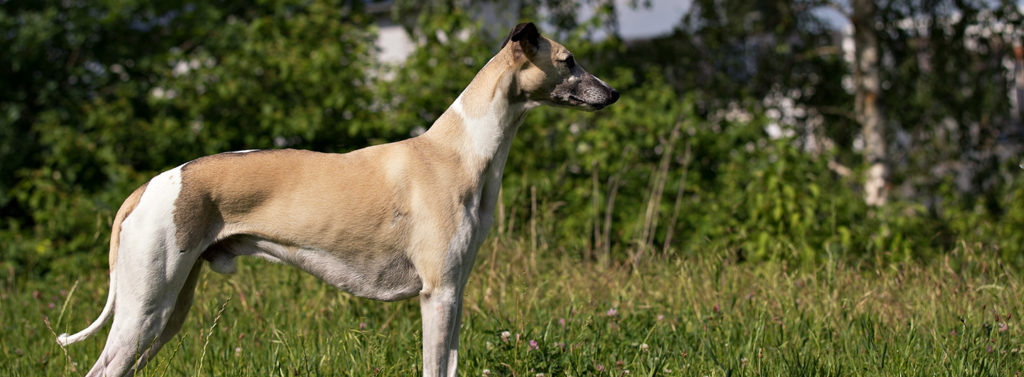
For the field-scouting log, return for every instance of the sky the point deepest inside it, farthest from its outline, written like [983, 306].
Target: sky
[642, 22]
[663, 15]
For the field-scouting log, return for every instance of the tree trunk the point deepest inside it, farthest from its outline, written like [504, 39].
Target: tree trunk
[869, 109]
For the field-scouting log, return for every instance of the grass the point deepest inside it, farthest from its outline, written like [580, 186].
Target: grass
[554, 316]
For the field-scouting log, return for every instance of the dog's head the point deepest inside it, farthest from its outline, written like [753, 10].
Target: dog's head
[548, 73]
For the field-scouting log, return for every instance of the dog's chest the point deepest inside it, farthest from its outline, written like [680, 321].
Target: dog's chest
[475, 223]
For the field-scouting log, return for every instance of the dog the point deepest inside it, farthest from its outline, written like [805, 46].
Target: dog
[386, 222]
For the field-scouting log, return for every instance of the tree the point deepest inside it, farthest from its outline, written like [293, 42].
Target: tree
[868, 104]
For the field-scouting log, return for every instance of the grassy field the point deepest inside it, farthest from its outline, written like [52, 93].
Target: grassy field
[544, 315]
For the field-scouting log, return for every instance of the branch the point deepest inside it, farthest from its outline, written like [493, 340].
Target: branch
[838, 168]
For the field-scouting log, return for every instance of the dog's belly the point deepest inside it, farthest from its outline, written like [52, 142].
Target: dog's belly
[387, 276]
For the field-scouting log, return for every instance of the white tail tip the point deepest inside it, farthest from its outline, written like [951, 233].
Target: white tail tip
[62, 339]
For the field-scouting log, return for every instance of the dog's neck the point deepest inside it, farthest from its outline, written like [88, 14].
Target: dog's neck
[480, 124]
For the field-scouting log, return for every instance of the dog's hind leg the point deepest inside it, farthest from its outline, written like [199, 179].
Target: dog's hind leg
[177, 318]
[148, 314]
[154, 287]
[181, 306]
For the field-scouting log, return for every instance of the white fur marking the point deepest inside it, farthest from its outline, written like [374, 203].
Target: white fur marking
[148, 238]
[485, 132]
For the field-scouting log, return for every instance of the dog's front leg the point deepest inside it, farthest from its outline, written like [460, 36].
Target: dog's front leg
[441, 310]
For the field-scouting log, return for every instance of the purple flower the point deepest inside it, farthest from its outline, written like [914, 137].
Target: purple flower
[534, 345]
[612, 312]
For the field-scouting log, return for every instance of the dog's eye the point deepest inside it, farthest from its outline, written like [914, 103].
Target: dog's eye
[570, 62]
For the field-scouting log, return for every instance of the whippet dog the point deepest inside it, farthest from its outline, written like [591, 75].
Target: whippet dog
[387, 222]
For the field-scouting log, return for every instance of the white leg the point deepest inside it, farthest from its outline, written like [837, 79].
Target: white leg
[132, 338]
[441, 310]
[453, 350]
[177, 316]
[151, 303]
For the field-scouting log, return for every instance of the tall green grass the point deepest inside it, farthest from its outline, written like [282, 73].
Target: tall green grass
[532, 315]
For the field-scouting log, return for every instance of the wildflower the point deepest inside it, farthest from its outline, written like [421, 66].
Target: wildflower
[540, 374]
[612, 312]
[534, 345]
[487, 372]
[238, 351]
[644, 347]
[600, 367]
[505, 335]
[362, 325]
[661, 317]
[561, 322]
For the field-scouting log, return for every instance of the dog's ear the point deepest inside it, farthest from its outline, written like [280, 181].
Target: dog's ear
[526, 39]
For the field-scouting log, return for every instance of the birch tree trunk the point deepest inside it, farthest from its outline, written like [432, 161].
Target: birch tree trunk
[868, 106]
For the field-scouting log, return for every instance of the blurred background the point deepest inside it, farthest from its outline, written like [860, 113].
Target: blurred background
[885, 131]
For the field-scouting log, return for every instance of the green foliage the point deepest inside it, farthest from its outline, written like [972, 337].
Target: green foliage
[445, 61]
[147, 87]
[949, 120]
[100, 96]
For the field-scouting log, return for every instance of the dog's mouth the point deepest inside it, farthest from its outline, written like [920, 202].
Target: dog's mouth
[576, 101]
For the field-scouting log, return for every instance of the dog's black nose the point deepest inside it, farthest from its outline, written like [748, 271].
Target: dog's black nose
[614, 94]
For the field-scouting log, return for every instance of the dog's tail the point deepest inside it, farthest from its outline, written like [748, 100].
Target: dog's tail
[108, 311]
[115, 242]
